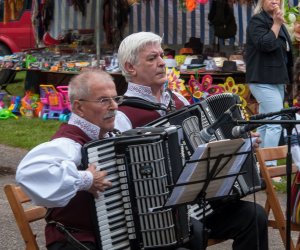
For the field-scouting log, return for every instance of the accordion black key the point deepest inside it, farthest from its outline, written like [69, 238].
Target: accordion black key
[141, 164]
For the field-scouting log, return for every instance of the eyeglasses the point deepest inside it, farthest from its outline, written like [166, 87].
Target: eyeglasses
[106, 100]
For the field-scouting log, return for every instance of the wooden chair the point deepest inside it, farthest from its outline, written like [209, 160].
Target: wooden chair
[24, 214]
[212, 242]
[272, 202]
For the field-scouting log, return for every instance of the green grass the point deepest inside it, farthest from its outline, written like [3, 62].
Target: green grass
[281, 186]
[24, 132]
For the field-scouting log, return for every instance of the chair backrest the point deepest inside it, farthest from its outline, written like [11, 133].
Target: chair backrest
[269, 154]
[272, 202]
[24, 215]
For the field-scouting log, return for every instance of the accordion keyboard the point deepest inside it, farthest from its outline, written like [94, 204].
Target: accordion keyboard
[130, 214]
[113, 206]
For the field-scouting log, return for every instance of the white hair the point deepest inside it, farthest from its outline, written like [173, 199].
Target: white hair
[79, 86]
[131, 46]
[259, 6]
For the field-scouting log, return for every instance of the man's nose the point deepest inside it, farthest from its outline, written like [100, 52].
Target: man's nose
[113, 104]
[162, 62]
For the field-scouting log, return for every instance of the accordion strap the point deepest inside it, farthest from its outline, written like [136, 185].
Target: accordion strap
[141, 103]
[172, 105]
[137, 102]
[69, 237]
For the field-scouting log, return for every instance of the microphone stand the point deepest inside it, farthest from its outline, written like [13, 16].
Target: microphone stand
[288, 124]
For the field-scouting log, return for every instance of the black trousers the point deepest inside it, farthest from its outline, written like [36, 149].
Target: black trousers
[68, 246]
[244, 222]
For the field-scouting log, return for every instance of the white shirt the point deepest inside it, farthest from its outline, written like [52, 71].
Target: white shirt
[123, 123]
[49, 174]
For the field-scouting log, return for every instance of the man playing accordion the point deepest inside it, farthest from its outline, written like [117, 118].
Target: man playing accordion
[140, 57]
[51, 175]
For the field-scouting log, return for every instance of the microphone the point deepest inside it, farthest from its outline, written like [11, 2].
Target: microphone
[281, 112]
[207, 133]
[238, 131]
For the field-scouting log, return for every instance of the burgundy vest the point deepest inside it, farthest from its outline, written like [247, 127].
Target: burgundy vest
[140, 117]
[78, 212]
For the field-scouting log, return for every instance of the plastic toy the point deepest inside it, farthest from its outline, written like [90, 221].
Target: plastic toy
[15, 104]
[56, 104]
[30, 105]
[2, 105]
[6, 113]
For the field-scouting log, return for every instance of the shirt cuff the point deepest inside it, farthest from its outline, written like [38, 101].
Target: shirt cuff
[86, 180]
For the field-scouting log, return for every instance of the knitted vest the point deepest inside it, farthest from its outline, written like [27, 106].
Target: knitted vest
[77, 213]
[139, 116]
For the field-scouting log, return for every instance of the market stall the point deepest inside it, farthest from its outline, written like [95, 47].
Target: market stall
[71, 45]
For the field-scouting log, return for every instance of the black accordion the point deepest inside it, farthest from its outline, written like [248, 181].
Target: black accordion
[213, 107]
[141, 164]
[199, 116]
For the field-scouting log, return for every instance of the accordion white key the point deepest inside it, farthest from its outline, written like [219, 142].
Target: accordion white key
[141, 165]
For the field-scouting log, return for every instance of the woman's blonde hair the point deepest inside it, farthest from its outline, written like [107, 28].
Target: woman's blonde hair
[259, 6]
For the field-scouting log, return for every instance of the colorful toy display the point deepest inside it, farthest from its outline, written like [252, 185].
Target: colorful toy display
[55, 102]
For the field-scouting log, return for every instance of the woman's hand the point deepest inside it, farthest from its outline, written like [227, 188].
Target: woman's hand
[278, 16]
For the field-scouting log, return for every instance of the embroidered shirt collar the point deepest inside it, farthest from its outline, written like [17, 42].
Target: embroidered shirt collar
[145, 93]
[90, 129]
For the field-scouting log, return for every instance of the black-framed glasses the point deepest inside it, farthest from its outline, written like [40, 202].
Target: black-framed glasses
[106, 101]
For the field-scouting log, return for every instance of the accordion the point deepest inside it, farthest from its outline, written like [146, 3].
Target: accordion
[213, 107]
[199, 116]
[188, 118]
[141, 164]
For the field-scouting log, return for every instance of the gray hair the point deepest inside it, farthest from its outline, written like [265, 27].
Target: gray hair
[131, 46]
[259, 6]
[79, 86]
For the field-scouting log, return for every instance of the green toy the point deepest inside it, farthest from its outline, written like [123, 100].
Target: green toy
[6, 113]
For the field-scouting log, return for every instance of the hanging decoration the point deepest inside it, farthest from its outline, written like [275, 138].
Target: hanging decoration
[132, 2]
[191, 5]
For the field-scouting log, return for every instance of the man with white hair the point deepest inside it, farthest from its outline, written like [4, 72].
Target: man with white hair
[141, 61]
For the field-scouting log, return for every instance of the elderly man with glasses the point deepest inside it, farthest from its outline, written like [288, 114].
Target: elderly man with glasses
[51, 174]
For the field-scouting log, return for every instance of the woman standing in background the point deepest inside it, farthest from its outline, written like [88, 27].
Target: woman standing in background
[269, 63]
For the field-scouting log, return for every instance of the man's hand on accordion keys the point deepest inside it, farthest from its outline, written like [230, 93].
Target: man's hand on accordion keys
[99, 181]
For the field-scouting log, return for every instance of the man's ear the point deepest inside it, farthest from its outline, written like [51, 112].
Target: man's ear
[130, 68]
[77, 108]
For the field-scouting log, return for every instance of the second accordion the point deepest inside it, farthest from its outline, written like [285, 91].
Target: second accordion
[141, 164]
